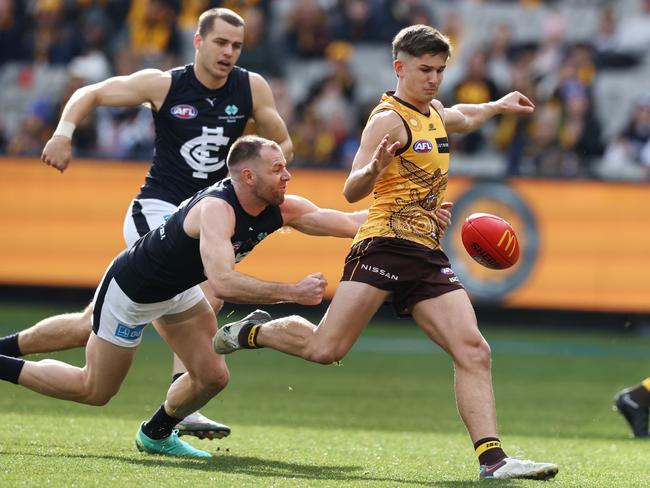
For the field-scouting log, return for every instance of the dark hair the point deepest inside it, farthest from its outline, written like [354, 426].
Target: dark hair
[417, 40]
[247, 148]
[206, 19]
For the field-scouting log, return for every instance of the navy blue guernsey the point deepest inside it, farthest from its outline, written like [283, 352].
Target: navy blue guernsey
[195, 128]
[166, 261]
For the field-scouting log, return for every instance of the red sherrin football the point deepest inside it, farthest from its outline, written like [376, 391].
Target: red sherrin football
[490, 241]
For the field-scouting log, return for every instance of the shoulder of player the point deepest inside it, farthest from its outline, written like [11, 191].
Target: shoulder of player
[439, 107]
[386, 122]
[211, 205]
[259, 86]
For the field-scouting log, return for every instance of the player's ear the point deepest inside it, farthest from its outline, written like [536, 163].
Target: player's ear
[247, 176]
[398, 66]
[197, 40]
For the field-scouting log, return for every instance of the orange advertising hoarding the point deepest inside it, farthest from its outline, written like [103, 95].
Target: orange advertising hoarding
[585, 245]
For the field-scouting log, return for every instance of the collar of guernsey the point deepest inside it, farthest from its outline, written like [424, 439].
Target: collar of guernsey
[413, 186]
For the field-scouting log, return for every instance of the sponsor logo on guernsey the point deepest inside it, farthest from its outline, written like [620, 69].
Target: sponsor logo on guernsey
[447, 271]
[129, 332]
[443, 145]
[231, 110]
[184, 112]
[379, 271]
[422, 146]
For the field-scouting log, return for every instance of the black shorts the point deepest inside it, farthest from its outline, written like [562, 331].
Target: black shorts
[411, 271]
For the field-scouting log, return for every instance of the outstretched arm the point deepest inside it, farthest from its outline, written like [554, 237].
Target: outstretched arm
[146, 86]
[468, 117]
[305, 216]
[215, 220]
[268, 122]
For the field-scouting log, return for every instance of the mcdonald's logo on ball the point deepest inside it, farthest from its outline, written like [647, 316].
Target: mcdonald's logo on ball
[490, 241]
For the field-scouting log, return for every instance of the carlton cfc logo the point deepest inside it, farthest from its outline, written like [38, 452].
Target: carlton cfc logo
[184, 111]
[422, 146]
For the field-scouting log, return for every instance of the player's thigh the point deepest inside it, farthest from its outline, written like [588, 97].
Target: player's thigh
[190, 334]
[352, 307]
[448, 319]
[106, 365]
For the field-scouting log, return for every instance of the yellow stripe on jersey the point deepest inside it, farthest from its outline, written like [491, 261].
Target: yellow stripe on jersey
[413, 186]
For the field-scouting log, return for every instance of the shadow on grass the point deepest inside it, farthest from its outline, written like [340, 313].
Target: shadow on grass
[263, 468]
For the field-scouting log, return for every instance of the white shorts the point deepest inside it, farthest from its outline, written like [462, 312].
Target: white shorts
[143, 215]
[121, 321]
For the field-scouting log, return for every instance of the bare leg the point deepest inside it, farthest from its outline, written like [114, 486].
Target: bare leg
[352, 307]
[57, 333]
[450, 321]
[94, 384]
[216, 304]
[207, 374]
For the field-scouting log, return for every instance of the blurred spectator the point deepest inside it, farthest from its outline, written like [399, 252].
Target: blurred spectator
[92, 65]
[35, 129]
[500, 53]
[633, 33]
[13, 31]
[53, 39]
[125, 133]
[354, 21]
[329, 105]
[608, 51]
[260, 53]
[308, 32]
[475, 87]
[632, 146]
[153, 33]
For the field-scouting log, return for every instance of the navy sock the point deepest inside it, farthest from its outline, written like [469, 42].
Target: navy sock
[9, 346]
[160, 425]
[10, 368]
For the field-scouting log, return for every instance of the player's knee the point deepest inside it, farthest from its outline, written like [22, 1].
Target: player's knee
[474, 354]
[324, 354]
[214, 380]
[98, 397]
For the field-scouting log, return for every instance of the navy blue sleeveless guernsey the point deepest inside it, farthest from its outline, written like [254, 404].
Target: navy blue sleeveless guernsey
[166, 261]
[195, 128]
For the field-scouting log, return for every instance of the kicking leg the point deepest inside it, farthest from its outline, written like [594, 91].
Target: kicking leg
[352, 307]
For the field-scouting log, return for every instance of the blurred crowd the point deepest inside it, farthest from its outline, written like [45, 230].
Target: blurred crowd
[328, 62]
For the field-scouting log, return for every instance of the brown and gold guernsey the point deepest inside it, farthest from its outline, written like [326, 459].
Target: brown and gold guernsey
[413, 186]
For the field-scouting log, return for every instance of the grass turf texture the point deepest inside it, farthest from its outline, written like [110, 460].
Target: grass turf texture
[382, 418]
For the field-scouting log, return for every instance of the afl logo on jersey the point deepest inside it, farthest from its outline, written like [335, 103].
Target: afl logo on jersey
[422, 146]
[184, 111]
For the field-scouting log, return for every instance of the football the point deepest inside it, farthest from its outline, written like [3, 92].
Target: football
[490, 241]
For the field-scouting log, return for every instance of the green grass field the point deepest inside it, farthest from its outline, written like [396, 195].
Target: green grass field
[384, 418]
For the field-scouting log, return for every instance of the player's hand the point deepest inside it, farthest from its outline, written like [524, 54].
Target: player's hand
[514, 102]
[310, 290]
[444, 216]
[383, 155]
[57, 152]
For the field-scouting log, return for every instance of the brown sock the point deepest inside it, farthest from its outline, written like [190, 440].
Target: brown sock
[489, 451]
